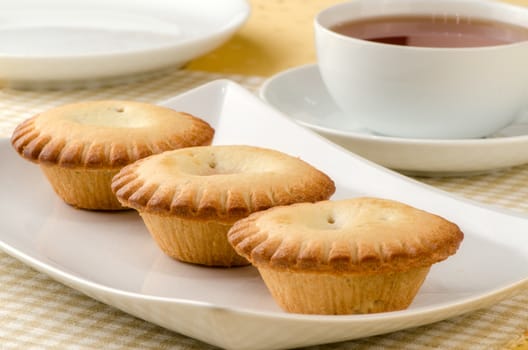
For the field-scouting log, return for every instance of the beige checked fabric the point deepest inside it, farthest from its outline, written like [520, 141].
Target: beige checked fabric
[39, 313]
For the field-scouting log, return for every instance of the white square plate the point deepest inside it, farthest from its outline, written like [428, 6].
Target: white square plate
[111, 257]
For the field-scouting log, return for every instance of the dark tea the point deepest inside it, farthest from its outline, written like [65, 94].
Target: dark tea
[433, 31]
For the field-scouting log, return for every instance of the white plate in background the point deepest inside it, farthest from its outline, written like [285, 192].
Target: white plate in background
[300, 93]
[111, 257]
[46, 42]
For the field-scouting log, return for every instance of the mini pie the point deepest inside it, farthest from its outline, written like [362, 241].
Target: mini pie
[361, 255]
[189, 198]
[81, 146]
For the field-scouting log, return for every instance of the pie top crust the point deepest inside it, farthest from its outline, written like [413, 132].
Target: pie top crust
[221, 183]
[361, 235]
[106, 134]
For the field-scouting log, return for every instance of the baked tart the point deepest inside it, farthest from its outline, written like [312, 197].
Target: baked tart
[361, 255]
[189, 198]
[81, 146]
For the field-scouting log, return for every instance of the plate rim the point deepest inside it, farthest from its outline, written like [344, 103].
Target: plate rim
[59, 70]
[54, 272]
[226, 26]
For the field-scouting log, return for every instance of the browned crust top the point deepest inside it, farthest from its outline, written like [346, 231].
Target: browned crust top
[221, 183]
[361, 235]
[106, 134]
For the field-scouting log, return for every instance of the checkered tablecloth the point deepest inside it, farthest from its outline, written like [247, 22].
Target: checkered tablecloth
[39, 313]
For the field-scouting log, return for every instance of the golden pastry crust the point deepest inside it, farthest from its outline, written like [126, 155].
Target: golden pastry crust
[106, 134]
[193, 241]
[221, 183]
[343, 294]
[359, 236]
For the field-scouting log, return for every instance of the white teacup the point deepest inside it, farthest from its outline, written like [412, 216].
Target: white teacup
[422, 92]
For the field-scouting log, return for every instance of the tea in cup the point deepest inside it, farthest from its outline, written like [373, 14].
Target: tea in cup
[442, 69]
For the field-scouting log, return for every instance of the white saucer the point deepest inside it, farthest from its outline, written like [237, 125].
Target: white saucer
[301, 94]
[57, 41]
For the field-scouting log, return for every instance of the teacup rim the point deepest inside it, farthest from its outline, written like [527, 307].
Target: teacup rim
[317, 24]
